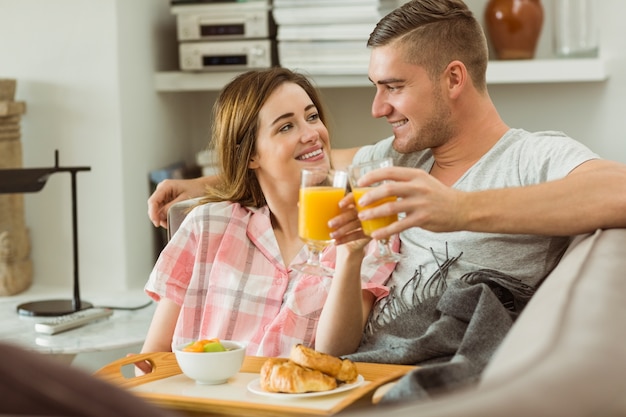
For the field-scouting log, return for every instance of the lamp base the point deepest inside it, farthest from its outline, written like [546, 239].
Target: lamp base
[50, 307]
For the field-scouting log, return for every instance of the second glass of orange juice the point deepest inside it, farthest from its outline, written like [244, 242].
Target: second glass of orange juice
[355, 172]
[320, 193]
[373, 224]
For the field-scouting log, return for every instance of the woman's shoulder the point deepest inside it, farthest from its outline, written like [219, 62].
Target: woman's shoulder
[218, 208]
[217, 218]
[222, 209]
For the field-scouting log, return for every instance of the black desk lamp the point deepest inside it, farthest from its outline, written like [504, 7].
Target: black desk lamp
[29, 180]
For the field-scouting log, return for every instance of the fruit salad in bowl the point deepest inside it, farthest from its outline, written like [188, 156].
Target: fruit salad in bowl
[210, 361]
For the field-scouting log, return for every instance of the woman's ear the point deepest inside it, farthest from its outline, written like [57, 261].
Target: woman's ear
[253, 164]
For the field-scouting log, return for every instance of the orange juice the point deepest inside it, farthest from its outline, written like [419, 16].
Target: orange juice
[317, 205]
[370, 225]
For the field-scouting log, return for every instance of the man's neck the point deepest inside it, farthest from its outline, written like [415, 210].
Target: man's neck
[457, 156]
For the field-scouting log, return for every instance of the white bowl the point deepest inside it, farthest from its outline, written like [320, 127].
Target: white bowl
[211, 367]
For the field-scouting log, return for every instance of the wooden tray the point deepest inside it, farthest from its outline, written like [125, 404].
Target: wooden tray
[167, 387]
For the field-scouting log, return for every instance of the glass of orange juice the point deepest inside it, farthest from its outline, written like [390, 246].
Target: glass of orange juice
[320, 193]
[355, 172]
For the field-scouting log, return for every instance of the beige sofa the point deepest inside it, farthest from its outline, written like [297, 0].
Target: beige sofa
[566, 353]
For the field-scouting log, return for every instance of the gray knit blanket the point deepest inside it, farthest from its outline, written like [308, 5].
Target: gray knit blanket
[451, 336]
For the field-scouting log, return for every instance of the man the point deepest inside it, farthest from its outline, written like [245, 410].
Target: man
[478, 201]
[477, 195]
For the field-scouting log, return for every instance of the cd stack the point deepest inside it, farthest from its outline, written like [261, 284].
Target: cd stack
[327, 36]
[225, 35]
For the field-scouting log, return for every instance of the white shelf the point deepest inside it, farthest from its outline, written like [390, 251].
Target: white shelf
[547, 71]
[498, 72]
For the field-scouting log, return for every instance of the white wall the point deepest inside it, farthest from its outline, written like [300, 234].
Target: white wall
[64, 56]
[85, 70]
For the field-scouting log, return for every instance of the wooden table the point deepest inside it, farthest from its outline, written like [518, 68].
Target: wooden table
[167, 387]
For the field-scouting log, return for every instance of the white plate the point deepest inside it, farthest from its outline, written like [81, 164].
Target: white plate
[255, 387]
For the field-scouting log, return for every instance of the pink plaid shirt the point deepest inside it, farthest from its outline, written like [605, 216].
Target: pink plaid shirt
[224, 268]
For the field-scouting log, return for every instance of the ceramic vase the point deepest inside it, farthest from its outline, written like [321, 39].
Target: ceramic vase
[514, 27]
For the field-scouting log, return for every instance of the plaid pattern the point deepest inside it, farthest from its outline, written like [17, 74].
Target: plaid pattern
[224, 267]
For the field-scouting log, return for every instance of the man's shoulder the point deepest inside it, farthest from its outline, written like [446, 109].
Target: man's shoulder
[525, 135]
[525, 141]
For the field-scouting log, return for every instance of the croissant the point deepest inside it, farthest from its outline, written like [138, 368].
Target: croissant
[283, 375]
[344, 370]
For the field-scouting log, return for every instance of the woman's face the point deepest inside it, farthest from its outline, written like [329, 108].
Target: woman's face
[291, 137]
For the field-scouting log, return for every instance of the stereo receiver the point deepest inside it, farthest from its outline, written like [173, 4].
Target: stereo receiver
[227, 55]
[212, 26]
[224, 20]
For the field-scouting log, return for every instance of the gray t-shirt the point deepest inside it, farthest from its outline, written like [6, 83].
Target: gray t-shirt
[519, 158]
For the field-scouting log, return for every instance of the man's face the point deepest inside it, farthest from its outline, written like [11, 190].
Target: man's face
[411, 102]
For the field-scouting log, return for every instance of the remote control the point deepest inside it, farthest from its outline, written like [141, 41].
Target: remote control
[72, 320]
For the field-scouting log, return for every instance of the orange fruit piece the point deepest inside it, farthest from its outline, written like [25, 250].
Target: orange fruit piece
[198, 345]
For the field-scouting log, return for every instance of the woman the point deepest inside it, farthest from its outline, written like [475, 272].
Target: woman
[226, 272]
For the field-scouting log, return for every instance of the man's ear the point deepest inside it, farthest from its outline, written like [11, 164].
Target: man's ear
[456, 78]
